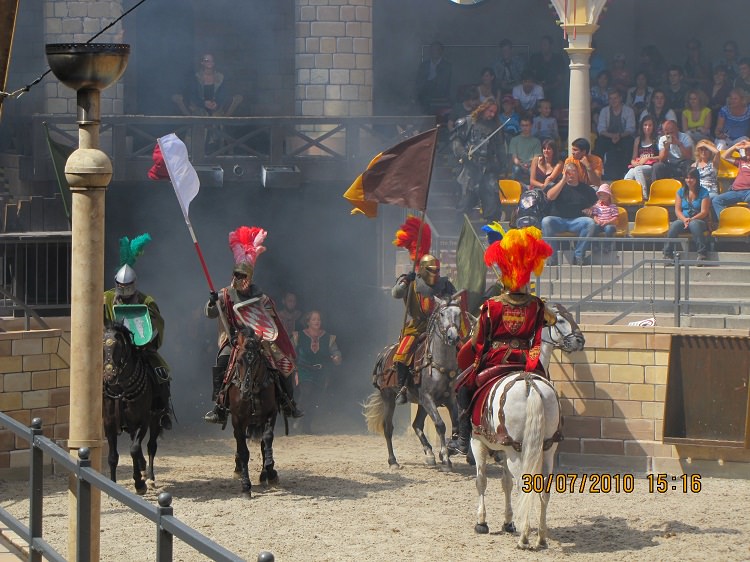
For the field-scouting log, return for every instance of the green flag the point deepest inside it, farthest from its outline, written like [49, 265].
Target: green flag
[60, 153]
[471, 271]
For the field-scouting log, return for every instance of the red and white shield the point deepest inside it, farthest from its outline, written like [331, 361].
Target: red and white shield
[513, 318]
[254, 315]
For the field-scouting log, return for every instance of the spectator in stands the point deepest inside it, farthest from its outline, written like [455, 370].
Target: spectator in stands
[527, 94]
[487, 86]
[434, 81]
[733, 122]
[645, 155]
[696, 117]
[469, 102]
[743, 76]
[205, 93]
[600, 91]
[675, 90]
[605, 215]
[508, 68]
[621, 77]
[544, 125]
[659, 110]
[589, 166]
[707, 158]
[546, 169]
[570, 211]
[615, 131]
[548, 68]
[509, 113]
[719, 92]
[522, 149]
[652, 63]
[741, 186]
[639, 96]
[729, 60]
[675, 152]
[697, 70]
[691, 207]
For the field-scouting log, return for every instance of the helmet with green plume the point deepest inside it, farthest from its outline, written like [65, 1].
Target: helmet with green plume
[130, 251]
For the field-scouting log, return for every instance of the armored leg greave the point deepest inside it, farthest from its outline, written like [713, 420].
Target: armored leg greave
[402, 372]
[290, 406]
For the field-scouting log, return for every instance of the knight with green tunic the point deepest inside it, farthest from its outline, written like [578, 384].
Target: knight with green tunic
[140, 313]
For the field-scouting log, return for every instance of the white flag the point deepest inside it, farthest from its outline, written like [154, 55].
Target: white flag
[184, 177]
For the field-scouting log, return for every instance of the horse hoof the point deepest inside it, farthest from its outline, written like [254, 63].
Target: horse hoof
[541, 544]
[509, 527]
[273, 480]
[481, 528]
[523, 544]
[430, 461]
[141, 490]
[151, 484]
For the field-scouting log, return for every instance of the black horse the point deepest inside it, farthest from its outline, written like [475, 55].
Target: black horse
[129, 388]
[250, 392]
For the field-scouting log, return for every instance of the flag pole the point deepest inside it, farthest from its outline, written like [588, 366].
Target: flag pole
[474, 232]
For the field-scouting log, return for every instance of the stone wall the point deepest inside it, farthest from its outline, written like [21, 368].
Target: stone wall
[34, 383]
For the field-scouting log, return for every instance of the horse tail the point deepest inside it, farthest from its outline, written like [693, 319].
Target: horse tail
[532, 452]
[374, 411]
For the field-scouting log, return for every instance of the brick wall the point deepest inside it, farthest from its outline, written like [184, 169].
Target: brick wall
[34, 383]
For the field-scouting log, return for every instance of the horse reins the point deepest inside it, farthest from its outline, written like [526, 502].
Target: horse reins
[136, 384]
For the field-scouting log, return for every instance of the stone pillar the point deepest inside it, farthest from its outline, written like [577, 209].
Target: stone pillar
[579, 108]
[333, 58]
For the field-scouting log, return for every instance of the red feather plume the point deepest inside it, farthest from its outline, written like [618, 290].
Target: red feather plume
[406, 237]
[246, 244]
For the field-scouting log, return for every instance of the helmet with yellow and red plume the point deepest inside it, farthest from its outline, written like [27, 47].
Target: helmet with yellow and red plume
[519, 253]
[246, 244]
[418, 243]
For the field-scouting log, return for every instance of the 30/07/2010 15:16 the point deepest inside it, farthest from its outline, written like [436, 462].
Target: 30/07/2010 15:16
[662, 483]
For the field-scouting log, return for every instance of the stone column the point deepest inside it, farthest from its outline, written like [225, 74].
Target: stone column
[333, 57]
[579, 109]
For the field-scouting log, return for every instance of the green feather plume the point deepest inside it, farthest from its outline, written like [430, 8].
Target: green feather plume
[131, 250]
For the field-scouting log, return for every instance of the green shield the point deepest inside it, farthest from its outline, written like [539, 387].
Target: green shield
[136, 318]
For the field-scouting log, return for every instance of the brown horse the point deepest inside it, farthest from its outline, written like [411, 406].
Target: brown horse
[250, 392]
[129, 387]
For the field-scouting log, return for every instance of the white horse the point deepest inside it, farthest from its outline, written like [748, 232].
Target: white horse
[521, 427]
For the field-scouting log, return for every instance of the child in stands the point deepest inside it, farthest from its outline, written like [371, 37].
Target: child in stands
[605, 214]
[544, 125]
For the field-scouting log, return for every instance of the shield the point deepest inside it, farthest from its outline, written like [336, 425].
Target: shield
[513, 318]
[136, 318]
[252, 314]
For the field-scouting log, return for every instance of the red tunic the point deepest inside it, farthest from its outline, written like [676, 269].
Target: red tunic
[508, 333]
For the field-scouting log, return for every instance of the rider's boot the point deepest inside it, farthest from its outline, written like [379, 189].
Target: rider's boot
[460, 445]
[402, 371]
[218, 414]
[166, 420]
[290, 406]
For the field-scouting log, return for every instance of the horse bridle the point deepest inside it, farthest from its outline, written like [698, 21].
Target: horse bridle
[434, 326]
[112, 370]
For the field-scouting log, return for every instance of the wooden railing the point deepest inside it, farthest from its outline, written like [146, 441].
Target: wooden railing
[323, 148]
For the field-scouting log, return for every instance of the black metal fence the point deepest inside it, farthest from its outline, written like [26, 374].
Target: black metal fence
[167, 525]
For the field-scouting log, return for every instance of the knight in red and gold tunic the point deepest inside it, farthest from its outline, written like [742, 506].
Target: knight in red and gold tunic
[508, 333]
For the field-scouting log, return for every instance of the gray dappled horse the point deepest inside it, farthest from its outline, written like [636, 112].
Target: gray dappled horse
[438, 369]
[520, 427]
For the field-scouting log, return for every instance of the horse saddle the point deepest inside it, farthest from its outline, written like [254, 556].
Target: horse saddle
[384, 375]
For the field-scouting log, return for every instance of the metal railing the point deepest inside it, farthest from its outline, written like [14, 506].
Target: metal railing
[167, 525]
[35, 275]
[623, 276]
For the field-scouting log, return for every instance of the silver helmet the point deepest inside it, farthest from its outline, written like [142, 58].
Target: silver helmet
[125, 279]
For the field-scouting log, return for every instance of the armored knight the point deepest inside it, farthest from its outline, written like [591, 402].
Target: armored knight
[480, 150]
[418, 293]
[126, 293]
[244, 306]
[508, 333]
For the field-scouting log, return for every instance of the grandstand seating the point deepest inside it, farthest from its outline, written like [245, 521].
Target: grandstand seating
[510, 192]
[733, 222]
[651, 222]
[622, 222]
[662, 192]
[627, 193]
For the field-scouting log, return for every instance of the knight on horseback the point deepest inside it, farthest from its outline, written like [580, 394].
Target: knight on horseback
[418, 293]
[244, 305]
[508, 333]
[126, 293]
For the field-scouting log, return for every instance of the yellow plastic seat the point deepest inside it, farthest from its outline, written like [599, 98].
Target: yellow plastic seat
[510, 192]
[662, 192]
[726, 174]
[733, 222]
[622, 222]
[627, 193]
[651, 222]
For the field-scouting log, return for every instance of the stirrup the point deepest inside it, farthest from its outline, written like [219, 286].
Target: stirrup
[457, 447]
[217, 415]
[165, 421]
[292, 411]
